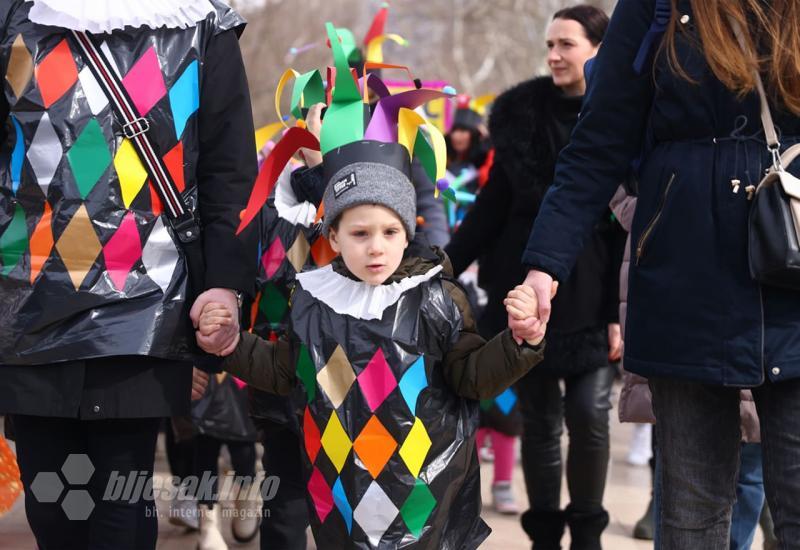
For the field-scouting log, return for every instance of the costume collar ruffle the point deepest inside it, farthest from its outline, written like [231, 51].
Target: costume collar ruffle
[289, 207]
[357, 298]
[104, 16]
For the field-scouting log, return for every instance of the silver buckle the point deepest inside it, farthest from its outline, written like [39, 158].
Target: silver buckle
[135, 128]
[777, 164]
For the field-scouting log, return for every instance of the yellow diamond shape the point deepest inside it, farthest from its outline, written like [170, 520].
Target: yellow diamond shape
[79, 246]
[298, 253]
[130, 171]
[336, 377]
[335, 442]
[415, 448]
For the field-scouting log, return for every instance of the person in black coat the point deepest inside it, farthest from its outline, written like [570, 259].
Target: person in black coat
[529, 125]
[672, 77]
[96, 350]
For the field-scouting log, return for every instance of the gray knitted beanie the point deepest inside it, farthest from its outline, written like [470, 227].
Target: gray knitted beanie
[366, 174]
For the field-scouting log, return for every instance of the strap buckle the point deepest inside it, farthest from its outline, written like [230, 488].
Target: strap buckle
[135, 127]
[777, 163]
[186, 228]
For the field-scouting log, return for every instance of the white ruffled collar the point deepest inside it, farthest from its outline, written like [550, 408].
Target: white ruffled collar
[289, 207]
[357, 298]
[104, 16]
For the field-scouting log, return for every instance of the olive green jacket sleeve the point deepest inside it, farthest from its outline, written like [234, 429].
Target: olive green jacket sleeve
[265, 365]
[477, 369]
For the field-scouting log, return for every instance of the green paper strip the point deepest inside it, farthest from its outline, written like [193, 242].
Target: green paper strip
[344, 119]
[14, 241]
[307, 373]
[348, 42]
[424, 152]
[309, 88]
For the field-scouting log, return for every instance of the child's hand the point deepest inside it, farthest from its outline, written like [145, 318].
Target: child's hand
[213, 317]
[521, 304]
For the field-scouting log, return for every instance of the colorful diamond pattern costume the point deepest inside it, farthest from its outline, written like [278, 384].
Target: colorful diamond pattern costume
[81, 231]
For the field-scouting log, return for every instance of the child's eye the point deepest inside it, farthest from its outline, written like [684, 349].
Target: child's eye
[359, 233]
[392, 232]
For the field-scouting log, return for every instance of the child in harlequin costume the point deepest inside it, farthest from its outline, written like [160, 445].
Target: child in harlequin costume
[383, 344]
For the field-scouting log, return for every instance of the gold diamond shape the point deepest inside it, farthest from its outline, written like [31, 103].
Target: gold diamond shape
[415, 448]
[336, 377]
[335, 442]
[79, 246]
[20, 66]
[298, 253]
[130, 171]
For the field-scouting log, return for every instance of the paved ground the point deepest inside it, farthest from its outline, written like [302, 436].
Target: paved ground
[626, 497]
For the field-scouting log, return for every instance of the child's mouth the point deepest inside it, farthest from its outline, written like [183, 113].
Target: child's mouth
[375, 268]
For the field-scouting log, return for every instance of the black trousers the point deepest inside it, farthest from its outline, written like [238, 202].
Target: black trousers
[584, 405]
[286, 515]
[206, 457]
[122, 446]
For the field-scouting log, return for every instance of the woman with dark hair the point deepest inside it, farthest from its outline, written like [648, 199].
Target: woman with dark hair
[529, 125]
[704, 317]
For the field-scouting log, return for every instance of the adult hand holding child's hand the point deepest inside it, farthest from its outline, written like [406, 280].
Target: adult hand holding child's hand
[521, 304]
[222, 339]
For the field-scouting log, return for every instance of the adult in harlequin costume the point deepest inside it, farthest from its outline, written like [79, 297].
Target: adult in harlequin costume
[97, 344]
[386, 355]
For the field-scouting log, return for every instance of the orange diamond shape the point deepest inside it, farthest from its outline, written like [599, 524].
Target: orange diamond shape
[374, 446]
[56, 73]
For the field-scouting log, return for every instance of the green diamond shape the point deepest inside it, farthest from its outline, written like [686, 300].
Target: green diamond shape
[486, 404]
[89, 157]
[307, 372]
[14, 241]
[272, 304]
[417, 508]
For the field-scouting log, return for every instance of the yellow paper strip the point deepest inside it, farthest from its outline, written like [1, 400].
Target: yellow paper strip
[285, 77]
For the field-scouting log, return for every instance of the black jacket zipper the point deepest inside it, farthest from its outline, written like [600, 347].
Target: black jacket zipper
[653, 222]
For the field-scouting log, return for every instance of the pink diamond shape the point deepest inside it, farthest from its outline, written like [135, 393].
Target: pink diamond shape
[321, 494]
[122, 251]
[273, 257]
[145, 83]
[377, 380]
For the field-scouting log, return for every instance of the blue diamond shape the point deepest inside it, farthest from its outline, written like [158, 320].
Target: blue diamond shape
[506, 401]
[413, 382]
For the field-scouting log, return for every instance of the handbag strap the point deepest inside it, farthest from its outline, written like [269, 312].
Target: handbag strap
[135, 128]
[773, 144]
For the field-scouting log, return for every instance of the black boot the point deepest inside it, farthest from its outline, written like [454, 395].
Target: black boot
[585, 528]
[544, 528]
[645, 527]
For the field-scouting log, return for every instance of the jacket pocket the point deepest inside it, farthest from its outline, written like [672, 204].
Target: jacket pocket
[644, 238]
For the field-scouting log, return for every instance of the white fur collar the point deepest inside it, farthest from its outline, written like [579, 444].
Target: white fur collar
[104, 16]
[357, 298]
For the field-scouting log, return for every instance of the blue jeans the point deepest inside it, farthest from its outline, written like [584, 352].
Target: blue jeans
[699, 444]
[749, 497]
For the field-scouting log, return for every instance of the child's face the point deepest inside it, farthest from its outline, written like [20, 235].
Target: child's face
[371, 240]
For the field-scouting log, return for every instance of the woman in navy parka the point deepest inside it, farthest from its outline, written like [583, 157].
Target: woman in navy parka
[698, 326]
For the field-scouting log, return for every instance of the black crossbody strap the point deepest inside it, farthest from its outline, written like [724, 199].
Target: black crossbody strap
[135, 128]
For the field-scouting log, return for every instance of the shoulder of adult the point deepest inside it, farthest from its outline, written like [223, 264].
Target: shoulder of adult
[519, 105]
[226, 18]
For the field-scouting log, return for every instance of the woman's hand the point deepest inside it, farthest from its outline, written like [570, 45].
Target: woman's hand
[614, 342]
